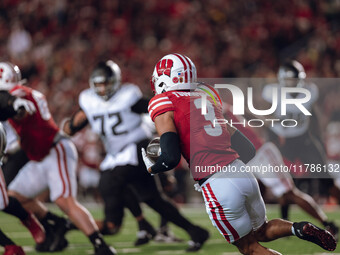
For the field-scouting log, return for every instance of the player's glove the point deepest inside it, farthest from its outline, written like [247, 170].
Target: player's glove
[197, 187]
[147, 161]
[23, 103]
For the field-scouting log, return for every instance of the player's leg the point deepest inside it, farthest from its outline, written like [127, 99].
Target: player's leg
[117, 194]
[249, 245]
[145, 230]
[29, 220]
[167, 210]
[9, 245]
[112, 187]
[30, 182]
[148, 192]
[5, 241]
[282, 185]
[315, 154]
[267, 231]
[269, 155]
[305, 202]
[12, 206]
[61, 176]
[166, 184]
[225, 197]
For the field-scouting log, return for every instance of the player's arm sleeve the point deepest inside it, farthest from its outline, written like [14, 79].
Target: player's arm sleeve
[77, 122]
[171, 153]
[159, 104]
[6, 105]
[241, 144]
[141, 106]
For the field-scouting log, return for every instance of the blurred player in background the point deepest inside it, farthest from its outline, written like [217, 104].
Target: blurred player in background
[15, 158]
[233, 200]
[304, 141]
[114, 113]
[53, 158]
[280, 184]
[12, 206]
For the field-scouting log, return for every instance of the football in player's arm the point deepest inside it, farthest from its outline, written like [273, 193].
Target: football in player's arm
[170, 145]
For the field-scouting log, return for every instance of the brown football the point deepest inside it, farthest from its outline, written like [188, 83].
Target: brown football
[153, 150]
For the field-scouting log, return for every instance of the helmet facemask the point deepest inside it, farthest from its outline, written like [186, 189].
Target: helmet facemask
[291, 74]
[105, 79]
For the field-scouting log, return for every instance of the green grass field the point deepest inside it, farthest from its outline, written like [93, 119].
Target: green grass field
[123, 242]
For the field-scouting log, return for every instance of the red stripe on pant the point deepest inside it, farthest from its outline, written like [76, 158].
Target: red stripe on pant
[218, 224]
[60, 171]
[66, 170]
[221, 212]
[3, 191]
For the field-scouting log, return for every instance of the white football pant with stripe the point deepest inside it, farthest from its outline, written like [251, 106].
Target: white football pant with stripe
[234, 203]
[3, 192]
[56, 172]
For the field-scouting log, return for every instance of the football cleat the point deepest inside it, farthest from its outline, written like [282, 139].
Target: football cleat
[105, 250]
[199, 236]
[36, 229]
[13, 250]
[145, 234]
[107, 228]
[333, 229]
[309, 232]
[55, 237]
[164, 235]
[143, 237]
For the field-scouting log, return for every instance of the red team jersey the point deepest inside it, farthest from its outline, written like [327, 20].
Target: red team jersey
[202, 144]
[36, 131]
[246, 130]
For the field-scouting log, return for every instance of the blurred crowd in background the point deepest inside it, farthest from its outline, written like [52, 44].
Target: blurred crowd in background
[57, 43]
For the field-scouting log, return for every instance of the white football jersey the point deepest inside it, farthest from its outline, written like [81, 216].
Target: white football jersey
[292, 112]
[118, 126]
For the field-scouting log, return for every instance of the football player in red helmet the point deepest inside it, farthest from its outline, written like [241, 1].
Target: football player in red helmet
[232, 197]
[114, 112]
[53, 157]
[12, 206]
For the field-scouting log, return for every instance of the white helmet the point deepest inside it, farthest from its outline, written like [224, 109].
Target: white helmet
[10, 75]
[174, 72]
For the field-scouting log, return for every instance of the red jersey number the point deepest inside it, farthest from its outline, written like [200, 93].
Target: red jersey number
[214, 129]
